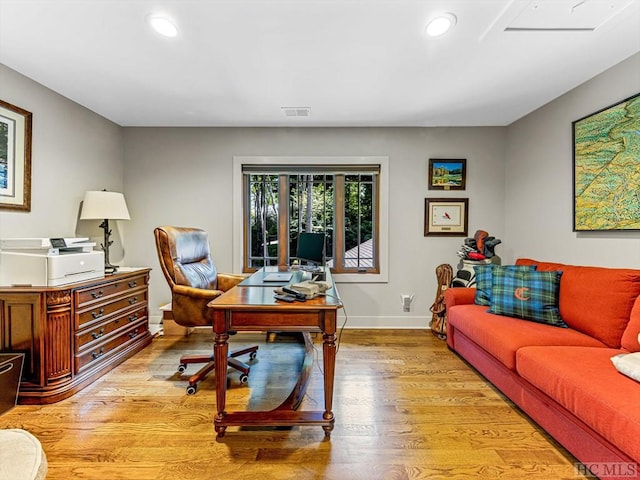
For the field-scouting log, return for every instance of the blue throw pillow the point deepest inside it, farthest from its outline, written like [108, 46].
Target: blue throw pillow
[527, 294]
[484, 280]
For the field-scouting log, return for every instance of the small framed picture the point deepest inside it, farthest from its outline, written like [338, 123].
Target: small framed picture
[447, 174]
[446, 216]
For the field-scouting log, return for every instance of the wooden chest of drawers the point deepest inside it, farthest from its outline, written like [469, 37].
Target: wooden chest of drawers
[72, 335]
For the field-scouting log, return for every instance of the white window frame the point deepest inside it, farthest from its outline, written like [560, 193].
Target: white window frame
[383, 227]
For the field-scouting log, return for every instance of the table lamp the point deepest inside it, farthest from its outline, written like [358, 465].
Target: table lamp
[105, 206]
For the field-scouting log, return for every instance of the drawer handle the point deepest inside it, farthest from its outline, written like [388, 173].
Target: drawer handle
[98, 353]
[98, 314]
[133, 318]
[5, 368]
[133, 300]
[98, 334]
[133, 334]
[133, 284]
[98, 294]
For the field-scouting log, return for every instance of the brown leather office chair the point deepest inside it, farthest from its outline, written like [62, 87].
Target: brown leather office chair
[186, 262]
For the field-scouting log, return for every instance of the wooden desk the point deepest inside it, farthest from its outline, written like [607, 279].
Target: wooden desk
[253, 308]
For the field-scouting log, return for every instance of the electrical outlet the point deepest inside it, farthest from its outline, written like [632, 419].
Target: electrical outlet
[406, 302]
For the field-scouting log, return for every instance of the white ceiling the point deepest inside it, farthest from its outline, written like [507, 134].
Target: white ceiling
[351, 62]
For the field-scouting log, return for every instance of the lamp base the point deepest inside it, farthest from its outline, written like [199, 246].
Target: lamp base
[108, 269]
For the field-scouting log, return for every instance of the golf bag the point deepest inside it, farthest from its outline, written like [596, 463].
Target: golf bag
[438, 324]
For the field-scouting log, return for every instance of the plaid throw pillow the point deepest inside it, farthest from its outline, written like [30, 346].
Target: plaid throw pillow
[526, 294]
[484, 280]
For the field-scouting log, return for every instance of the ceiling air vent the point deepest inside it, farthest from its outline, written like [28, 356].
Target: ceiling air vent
[296, 111]
[566, 15]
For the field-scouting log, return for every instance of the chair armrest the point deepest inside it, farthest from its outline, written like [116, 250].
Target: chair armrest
[459, 296]
[226, 281]
[189, 306]
[199, 293]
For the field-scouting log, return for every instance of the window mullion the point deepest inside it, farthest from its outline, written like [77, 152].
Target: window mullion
[283, 219]
[359, 197]
[246, 200]
[263, 220]
[338, 238]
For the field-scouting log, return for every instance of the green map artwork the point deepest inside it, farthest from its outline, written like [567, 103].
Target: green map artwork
[607, 168]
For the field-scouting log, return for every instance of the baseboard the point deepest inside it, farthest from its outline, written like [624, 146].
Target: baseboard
[403, 322]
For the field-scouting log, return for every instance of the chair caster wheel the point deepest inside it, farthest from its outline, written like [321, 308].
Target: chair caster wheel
[191, 389]
[244, 378]
[182, 368]
[252, 356]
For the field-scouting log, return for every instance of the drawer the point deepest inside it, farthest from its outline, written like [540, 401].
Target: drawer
[103, 329]
[97, 354]
[108, 290]
[97, 313]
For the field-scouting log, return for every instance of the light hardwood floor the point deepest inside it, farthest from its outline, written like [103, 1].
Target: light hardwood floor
[406, 408]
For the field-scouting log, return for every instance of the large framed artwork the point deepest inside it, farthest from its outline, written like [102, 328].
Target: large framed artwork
[447, 174]
[15, 158]
[606, 168]
[446, 216]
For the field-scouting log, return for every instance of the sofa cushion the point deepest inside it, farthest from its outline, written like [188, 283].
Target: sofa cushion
[484, 280]
[584, 381]
[631, 335]
[526, 294]
[503, 336]
[595, 300]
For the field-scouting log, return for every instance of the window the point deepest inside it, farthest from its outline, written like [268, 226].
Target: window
[285, 196]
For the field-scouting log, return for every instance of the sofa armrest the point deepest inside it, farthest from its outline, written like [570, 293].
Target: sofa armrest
[459, 296]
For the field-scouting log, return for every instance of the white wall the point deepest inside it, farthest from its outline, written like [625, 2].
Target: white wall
[73, 150]
[539, 178]
[519, 182]
[183, 176]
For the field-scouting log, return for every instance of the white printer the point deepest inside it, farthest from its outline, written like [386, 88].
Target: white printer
[48, 262]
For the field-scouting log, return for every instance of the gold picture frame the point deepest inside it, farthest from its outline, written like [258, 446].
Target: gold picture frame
[446, 217]
[15, 158]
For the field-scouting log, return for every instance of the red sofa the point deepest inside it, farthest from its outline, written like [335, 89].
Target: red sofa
[563, 378]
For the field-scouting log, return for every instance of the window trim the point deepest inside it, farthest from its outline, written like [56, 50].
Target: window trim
[383, 237]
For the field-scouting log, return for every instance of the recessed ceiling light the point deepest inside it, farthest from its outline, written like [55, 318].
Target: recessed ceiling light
[163, 25]
[441, 24]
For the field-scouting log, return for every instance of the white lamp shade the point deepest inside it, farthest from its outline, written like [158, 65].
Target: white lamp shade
[104, 205]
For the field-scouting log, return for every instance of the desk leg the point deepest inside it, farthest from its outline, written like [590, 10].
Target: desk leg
[329, 360]
[220, 352]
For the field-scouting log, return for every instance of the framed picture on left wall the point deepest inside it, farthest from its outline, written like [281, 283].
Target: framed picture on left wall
[15, 158]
